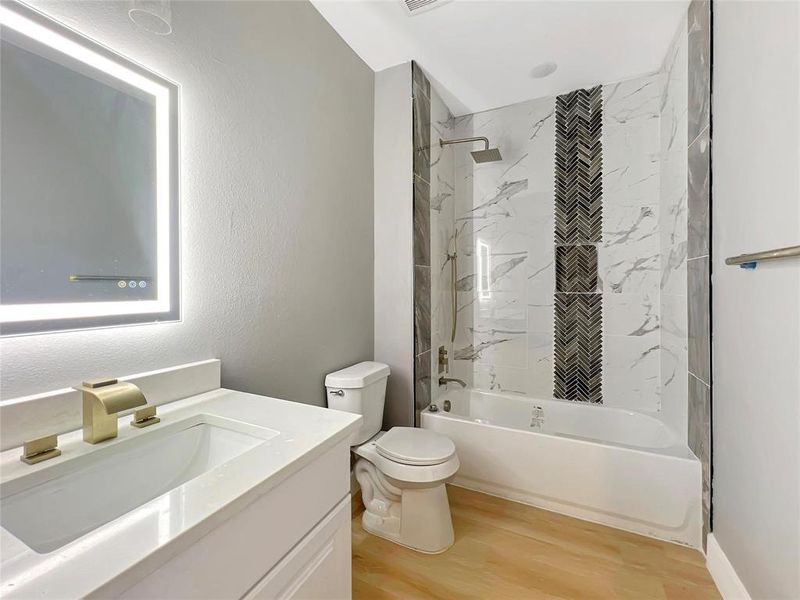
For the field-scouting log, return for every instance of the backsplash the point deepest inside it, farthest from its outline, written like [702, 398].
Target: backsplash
[60, 411]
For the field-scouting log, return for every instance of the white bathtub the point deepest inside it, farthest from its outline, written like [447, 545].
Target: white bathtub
[612, 466]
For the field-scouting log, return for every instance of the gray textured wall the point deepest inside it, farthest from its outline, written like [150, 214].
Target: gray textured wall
[756, 314]
[276, 201]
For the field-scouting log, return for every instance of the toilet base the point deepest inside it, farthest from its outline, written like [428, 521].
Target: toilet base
[416, 517]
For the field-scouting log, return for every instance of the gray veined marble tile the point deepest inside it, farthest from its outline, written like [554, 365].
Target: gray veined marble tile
[699, 321]
[699, 59]
[699, 438]
[422, 309]
[699, 195]
[423, 382]
[422, 222]
[422, 132]
[419, 79]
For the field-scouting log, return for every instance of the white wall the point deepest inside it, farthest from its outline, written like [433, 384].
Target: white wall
[394, 275]
[276, 200]
[756, 314]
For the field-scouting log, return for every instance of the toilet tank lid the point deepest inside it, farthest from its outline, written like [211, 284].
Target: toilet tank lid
[357, 376]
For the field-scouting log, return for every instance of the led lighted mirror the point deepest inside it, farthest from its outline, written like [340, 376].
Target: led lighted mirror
[88, 182]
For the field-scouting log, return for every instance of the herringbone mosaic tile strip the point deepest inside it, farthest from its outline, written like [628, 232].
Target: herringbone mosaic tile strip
[576, 268]
[578, 347]
[579, 167]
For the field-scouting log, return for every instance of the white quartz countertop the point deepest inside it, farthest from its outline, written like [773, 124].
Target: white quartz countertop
[152, 533]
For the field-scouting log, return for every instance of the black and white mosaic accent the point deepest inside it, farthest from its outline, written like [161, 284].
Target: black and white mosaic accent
[576, 269]
[578, 347]
[579, 167]
[578, 332]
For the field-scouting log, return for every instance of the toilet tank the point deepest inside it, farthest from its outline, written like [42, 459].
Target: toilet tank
[360, 389]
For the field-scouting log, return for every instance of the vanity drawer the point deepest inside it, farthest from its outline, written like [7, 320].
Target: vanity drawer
[231, 559]
[318, 567]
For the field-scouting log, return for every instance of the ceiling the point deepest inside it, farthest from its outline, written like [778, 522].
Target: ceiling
[479, 54]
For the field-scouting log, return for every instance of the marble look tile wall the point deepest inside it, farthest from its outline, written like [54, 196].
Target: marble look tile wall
[421, 91]
[504, 214]
[630, 254]
[699, 276]
[673, 232]
[442, 234]
[504, 340]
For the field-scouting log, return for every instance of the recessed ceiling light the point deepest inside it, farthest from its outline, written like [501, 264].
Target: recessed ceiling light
[543, 70]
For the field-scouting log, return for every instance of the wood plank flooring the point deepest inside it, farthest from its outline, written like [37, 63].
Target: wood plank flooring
[507, 550]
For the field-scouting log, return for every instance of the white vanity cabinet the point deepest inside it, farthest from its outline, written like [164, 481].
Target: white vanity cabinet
[292, 542]
[230, 495]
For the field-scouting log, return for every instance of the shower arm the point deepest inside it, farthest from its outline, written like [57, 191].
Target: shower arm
[485, 141]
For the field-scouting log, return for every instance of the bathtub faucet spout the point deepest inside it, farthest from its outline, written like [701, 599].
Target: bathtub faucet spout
[446, 380]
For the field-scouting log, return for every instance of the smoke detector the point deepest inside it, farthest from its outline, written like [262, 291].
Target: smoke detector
[415, 7]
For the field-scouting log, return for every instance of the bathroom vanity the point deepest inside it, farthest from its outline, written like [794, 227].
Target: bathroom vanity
[230, 495]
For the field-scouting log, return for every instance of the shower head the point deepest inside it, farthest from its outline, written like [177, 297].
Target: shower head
[488, 155]
[479, 156]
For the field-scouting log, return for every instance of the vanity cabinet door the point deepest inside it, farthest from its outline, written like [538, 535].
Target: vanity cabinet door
[318, 568]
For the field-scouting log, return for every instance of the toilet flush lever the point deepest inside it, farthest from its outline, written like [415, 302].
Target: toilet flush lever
[337, 392]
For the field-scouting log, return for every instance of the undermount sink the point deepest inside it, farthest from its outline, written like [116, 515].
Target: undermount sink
[56, 506]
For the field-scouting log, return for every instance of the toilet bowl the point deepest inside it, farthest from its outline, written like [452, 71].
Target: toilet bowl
[402, 471]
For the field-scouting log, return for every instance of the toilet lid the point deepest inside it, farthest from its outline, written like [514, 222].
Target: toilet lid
[414, 446]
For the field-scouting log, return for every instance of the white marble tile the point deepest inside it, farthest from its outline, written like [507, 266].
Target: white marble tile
[673, 198]
[540, 273]
[631, 314]
[633, 180]
[634, 267]
[632, 101]
[498, 378]
[631, 367]
[499, 348]
[674, 316]
[540, 316]
[540, 365]
[625, 225]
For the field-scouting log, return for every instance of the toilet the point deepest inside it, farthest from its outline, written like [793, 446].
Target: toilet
[402, 472]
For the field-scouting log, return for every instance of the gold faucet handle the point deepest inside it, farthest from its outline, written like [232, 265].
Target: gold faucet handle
[100, 382]
[43, 448]
[144, 417]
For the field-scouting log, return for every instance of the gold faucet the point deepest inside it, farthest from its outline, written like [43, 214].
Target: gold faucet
[102, 400]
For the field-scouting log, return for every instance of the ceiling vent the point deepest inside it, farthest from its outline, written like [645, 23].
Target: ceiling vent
[415, 7]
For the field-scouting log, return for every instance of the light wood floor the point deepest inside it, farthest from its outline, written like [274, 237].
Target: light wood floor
[509, 550]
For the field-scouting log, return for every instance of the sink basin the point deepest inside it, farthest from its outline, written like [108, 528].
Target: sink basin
[51, 508]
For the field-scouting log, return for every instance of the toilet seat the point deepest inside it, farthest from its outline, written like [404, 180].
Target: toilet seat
[405, 473]
[415, 446]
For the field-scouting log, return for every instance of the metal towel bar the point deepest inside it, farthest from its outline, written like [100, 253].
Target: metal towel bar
[108, 277]
[749, 261]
